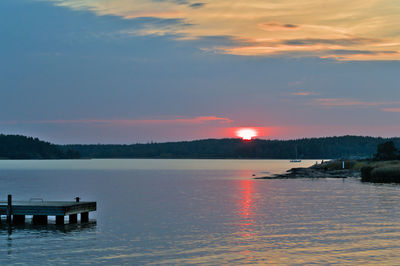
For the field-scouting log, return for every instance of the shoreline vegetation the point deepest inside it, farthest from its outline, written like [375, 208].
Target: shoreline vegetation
[323, 170]
[17, 147]
[384, 167]
[381, 167]
[350, 147]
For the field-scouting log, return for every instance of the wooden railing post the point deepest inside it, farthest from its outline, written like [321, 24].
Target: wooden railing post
[9, 208]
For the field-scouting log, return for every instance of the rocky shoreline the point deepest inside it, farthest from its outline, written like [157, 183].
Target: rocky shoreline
[314, 172]
[384, 167]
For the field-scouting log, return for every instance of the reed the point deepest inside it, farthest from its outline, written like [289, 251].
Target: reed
[388, 174]
[381, 172]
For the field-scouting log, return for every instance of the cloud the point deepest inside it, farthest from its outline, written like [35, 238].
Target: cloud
[197, 5]
[275, 26]
[360, 52]
[337, 29]
[391, 110]
[131, 122]
[303, 93]
[295, 83]
[339, 42]
[334, 102]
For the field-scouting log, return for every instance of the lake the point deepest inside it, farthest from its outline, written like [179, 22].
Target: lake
[200, 212]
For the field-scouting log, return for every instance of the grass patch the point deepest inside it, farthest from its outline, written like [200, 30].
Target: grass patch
[366, 173]
[371, 171]
[338, 165]
[359, 165]
[381, 172]
[388, 174]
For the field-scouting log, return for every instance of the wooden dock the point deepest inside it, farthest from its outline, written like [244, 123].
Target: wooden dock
[40, 210]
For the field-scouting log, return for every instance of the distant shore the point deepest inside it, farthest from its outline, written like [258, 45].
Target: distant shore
[365, 170]
[313, 172]
[355, 147]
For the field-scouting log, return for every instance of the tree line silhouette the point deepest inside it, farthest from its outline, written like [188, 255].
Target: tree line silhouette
[307, 148]
[22, 147]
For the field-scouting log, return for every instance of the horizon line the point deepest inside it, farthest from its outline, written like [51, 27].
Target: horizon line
[193, 140]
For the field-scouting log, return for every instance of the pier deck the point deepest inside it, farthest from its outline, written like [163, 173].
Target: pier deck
[49, 208]
[40, 210]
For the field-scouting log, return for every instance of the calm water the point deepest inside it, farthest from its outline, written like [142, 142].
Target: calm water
[201, 211]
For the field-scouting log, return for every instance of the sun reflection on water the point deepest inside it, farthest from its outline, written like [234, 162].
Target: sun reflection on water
[246, 222]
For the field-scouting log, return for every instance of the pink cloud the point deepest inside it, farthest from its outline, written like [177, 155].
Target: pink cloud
[330, 102]
[391, 110]
[131, 122]
[303, 93]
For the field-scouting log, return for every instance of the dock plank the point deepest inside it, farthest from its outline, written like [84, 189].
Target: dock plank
[49, 208]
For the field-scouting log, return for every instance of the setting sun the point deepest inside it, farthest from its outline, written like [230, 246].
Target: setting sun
[246, 133]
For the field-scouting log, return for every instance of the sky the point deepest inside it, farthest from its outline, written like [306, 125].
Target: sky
[136, 71]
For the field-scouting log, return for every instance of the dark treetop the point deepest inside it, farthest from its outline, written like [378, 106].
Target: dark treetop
[311, 148]
[21, 147]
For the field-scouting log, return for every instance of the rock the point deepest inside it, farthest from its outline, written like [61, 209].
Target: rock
[313, 172]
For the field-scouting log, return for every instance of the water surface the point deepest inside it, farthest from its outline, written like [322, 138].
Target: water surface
[201, 211]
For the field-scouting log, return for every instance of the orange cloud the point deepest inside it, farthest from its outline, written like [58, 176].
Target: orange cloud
[131, 122]
[274, 26]
[339, 29]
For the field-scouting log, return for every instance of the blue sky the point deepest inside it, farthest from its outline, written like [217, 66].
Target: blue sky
[86, 71]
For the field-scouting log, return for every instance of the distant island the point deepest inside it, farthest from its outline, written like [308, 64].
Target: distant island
[355, 147]
[373, 159]
[350, 147]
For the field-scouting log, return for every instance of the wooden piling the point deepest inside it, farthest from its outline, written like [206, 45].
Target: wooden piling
[84, 217]
[60, 219]
[9, 208]
[73, 218]
[18, 219]
[39, 219]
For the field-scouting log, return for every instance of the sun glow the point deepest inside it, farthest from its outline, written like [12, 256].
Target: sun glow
[246, 133]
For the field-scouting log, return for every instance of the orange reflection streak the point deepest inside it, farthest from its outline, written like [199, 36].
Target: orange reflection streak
[246, 221]
[246, 198]
[246, 208]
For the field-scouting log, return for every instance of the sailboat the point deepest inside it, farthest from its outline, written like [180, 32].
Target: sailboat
[296, 160]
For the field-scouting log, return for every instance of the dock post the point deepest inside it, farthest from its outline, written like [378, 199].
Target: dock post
[9, 208]
[18, 219]
[60, 219]
[39, 219]
[84, 217]
[73, 218]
